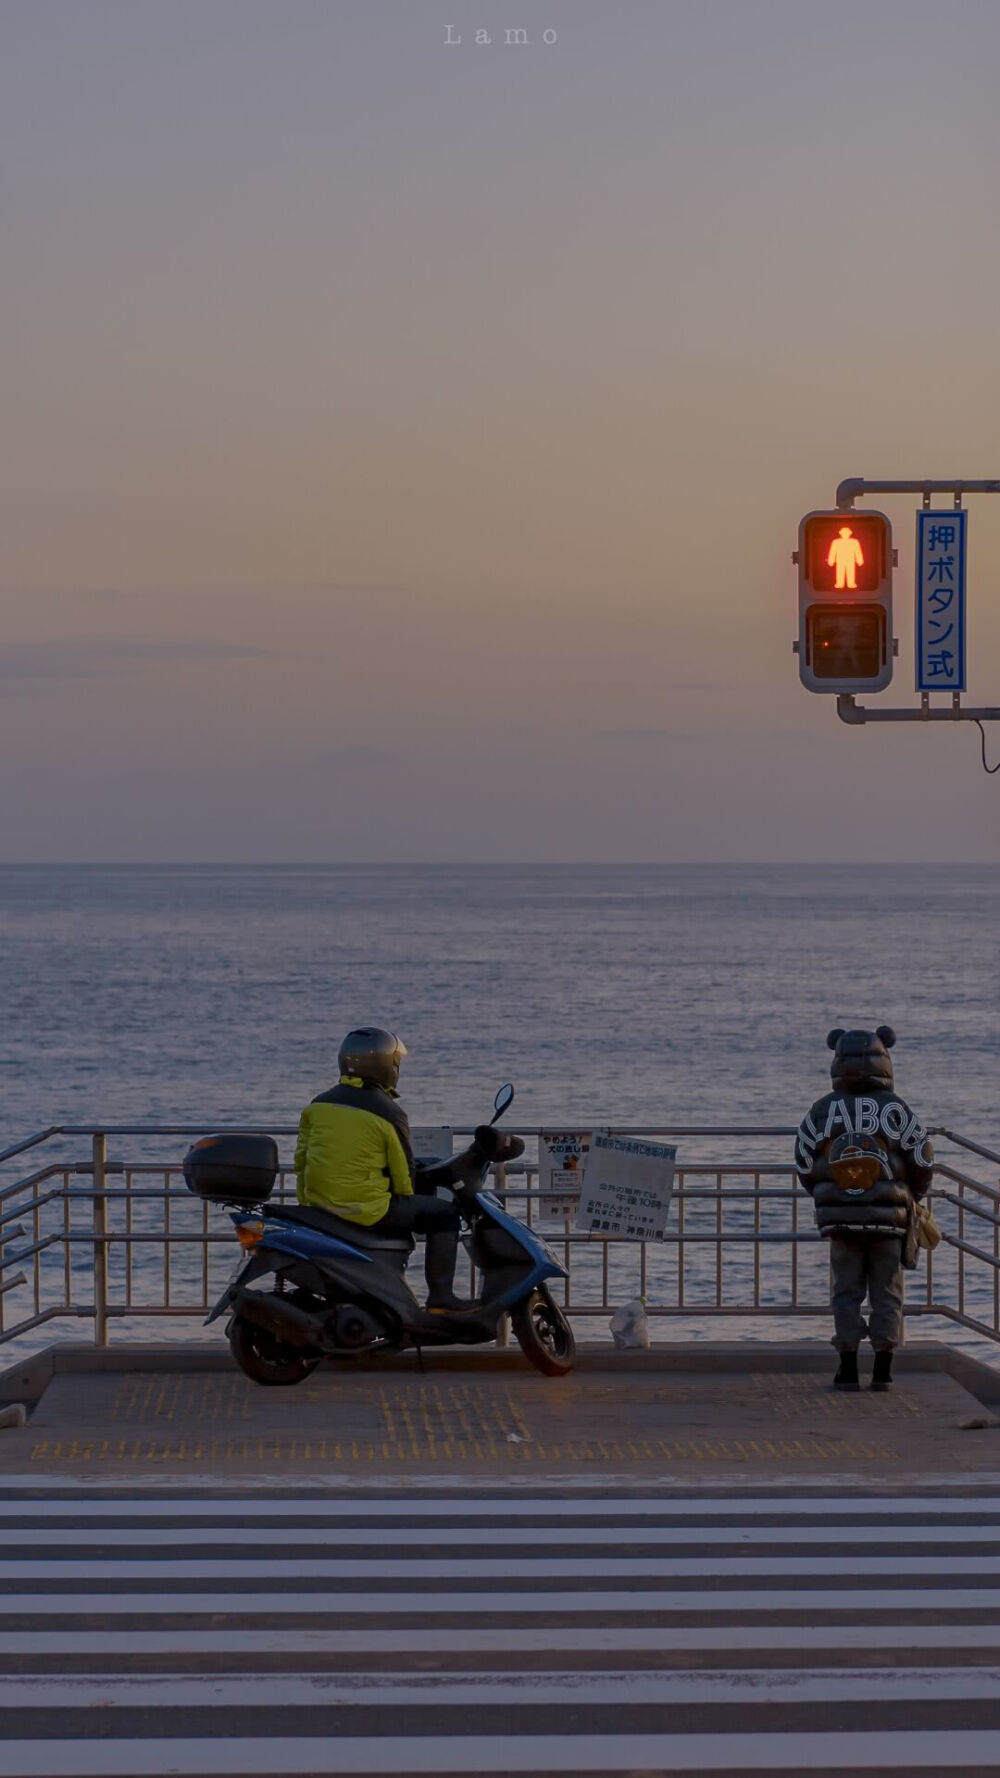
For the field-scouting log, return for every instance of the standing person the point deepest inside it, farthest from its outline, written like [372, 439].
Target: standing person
[354, 1158]
[865, 1159]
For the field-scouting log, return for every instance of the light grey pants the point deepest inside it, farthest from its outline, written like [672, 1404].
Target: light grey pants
[869, 1265]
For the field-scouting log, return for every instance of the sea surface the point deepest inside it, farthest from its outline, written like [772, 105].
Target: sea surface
[628, 994]
[632, 995]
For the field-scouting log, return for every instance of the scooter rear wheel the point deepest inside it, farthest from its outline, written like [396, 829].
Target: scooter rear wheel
[265, 1358]
[544, 1334]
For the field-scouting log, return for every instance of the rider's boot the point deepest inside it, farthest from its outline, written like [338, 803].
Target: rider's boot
[847, 1375]
[882, 1371]
[439, 1267]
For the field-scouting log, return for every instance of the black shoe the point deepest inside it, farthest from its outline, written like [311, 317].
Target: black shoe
[847, 1375]
[452, 1305]
[882, 1372]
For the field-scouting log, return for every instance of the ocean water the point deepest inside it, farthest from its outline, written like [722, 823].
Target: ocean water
[644, 995]
[632, 994]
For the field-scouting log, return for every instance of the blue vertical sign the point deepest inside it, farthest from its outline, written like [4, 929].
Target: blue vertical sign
[940, 618]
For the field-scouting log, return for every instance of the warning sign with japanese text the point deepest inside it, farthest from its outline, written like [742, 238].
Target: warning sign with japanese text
[562, 1158]
[627, 1186]
[430, 1145]
[940, 589]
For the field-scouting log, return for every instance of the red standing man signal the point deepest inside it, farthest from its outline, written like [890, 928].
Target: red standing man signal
[845, 556]
[845, 562]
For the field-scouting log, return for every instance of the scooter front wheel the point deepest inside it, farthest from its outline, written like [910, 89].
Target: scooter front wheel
[265, 1358]
[544, 1334]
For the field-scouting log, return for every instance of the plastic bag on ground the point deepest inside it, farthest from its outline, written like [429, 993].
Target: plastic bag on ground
[629, 1324]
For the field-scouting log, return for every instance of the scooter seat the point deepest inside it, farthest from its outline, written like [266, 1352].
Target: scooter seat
[310, 1217]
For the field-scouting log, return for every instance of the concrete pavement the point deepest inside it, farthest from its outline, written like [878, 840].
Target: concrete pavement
[724, 1415]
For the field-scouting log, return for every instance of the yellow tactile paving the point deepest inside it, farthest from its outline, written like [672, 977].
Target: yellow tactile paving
[506, 1420]
[432, 1451]
[786, 1397]
[435, 1410]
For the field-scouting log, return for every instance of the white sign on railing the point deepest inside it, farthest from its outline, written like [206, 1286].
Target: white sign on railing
[627, 1188]
[562, 1158]
[432, 1145]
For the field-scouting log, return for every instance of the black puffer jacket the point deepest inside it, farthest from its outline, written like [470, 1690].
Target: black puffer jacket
[863, 1102]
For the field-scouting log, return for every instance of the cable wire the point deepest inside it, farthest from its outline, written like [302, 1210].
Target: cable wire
[982, 743]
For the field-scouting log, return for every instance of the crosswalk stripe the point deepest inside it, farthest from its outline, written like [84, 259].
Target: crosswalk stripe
[478, 1604]
[448, 1508]
[896, 1751]
[381, 1646]
[774, 1685]
[291, 1536]
[255, 1645]
[487, 1568]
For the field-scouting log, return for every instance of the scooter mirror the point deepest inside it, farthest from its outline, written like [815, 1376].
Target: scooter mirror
[503, 1101]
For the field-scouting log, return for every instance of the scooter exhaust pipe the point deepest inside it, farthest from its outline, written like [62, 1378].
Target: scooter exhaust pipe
[280, 1317]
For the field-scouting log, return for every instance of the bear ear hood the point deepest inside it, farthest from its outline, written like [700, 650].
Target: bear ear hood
[861, 1060]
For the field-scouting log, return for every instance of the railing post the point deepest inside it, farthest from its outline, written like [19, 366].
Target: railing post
[996, 1273]
[961, 1250]
[499, 1183]
[98, 1175]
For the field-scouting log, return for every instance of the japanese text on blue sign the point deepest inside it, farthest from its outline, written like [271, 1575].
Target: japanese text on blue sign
[940, 589]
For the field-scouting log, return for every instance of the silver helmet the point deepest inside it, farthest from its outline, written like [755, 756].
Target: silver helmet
[372, 1054]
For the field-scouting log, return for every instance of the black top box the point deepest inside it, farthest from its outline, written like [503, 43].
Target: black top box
[238, 1168]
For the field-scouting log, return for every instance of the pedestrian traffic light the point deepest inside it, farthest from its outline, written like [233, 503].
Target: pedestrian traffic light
[845, 562]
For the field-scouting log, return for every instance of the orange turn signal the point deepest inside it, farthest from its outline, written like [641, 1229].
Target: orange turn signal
[250, 1235]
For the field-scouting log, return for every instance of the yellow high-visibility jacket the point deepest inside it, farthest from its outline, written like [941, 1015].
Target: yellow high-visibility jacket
[353, 1152]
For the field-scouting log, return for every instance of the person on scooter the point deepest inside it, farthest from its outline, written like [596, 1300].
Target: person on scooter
[354, 1157]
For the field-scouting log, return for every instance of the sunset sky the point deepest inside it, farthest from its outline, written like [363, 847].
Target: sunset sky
[404, 443]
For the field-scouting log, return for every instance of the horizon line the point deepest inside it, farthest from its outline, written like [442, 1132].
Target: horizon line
[868, 863]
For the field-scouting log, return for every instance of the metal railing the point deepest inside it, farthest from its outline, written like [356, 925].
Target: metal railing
[109, 1240]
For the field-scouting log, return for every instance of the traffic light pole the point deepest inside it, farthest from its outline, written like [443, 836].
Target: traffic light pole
[852, 489]
[849, 711]
[855, 486]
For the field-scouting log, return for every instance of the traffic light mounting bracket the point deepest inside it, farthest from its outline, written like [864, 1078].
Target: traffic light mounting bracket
[851, 489]
[956, 711]
[855, 485]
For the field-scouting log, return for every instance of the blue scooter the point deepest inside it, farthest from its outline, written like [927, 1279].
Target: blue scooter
[337, 1290]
